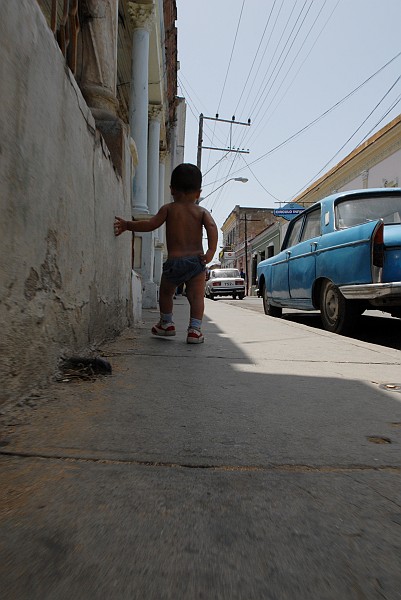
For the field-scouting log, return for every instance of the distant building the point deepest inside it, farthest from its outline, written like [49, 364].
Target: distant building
[241, 225]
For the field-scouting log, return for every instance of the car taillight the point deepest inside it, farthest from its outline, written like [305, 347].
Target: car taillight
[215, 283]
[378, 246]
[239, 282]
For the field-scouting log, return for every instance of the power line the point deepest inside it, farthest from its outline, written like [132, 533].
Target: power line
[317, 119]
[350, 138]
[187, 84]
[216, 201]
[196, 116]
[259, 182]
[396, 101]
[263, 98]
[256, 54]
[263, 55]
[282, 64]
[231, 56]
[301, 65]
[257, 95]
[215, 164]
[226, 76]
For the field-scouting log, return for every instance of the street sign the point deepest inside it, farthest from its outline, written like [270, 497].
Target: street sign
[283, 212]
[289, 211]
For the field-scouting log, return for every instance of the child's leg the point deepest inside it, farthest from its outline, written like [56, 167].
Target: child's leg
[165, 327]
[196, 298]
[166, 293]
[196, 295]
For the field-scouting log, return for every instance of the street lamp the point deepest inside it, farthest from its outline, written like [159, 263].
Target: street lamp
[241, 179]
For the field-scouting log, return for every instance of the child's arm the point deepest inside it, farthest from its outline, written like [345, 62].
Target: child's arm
[121, 225]
[212, 236]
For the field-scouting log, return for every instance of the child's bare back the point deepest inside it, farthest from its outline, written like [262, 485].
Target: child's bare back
[184, 227]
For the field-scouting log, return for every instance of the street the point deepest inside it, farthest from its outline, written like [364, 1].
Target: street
[263, 464]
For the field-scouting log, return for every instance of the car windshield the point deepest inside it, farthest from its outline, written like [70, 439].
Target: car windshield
[355, 211]
[225, 273]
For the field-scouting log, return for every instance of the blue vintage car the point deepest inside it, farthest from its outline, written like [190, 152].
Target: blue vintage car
[341, 256]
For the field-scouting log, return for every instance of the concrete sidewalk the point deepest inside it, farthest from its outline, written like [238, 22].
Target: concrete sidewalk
[245, 467]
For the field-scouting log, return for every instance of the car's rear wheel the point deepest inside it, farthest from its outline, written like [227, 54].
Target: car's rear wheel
[271, 311]
[241, 296]
[338, 314]
[234, 296]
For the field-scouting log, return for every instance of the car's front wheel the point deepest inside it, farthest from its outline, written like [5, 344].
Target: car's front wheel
[338, 314]
[271, 311]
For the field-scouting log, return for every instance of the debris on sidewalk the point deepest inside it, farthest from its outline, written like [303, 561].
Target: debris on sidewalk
[79, 367]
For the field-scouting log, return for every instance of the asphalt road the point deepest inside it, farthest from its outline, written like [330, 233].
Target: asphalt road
[263, 464]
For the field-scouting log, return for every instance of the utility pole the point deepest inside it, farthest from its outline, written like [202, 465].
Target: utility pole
[246, 257]
[200, 140]
[230, 148]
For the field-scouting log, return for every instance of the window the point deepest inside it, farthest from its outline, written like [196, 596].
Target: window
[294, 233]
[354, 211]
[312, 225]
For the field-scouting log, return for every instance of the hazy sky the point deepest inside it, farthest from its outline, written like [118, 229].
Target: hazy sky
[283, 64]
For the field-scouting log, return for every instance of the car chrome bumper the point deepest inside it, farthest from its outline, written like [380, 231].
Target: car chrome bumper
[227, 290]
[370, 291]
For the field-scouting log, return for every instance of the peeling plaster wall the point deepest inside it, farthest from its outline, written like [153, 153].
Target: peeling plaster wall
[64, 279]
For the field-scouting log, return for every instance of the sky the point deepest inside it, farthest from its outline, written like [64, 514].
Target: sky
[284, 64]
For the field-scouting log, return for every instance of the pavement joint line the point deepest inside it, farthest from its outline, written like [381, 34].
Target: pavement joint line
[331, 362]
[135, 353]
[272, 468]
[280, 360]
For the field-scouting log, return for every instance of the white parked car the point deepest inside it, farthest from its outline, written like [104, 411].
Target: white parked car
[225, 282]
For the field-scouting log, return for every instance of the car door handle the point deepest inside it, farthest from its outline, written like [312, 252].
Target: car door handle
[288, 253]
[313, 246]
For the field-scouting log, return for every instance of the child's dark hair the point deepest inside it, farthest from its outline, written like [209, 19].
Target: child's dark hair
[186, 178]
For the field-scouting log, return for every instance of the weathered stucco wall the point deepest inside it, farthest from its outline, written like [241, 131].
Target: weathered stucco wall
[64, 279]
[385, 173]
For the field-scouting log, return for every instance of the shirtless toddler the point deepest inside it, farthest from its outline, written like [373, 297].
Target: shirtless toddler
[186, 258]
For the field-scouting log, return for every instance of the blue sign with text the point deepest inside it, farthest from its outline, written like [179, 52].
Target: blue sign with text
[289, 211]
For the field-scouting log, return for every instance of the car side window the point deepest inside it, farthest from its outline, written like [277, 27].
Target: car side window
[312, 225]
[294, 233]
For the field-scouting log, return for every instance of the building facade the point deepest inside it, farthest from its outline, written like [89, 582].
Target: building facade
[375, 163]
[88, 125]
[241, 225]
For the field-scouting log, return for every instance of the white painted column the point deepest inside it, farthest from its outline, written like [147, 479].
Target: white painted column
[159, 246]
[142, 16]
[162, 184]
[155, 113]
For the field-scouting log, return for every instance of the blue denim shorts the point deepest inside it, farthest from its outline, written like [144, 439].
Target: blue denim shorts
[182, 269]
